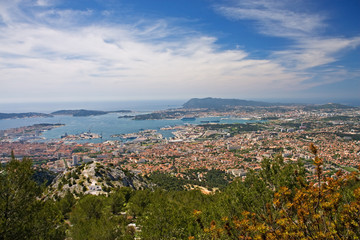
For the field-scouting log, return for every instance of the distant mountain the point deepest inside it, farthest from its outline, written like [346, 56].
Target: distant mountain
[85, 113]
[219, 103]
[75, 113]
[23, 115]
[328, 106]
[96, 178]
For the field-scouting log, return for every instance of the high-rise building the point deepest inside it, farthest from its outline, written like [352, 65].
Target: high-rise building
[75, 160]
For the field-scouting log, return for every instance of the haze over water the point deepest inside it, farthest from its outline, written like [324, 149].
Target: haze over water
[48, 107]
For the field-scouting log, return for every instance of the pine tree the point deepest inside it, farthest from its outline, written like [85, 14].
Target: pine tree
[22, 214]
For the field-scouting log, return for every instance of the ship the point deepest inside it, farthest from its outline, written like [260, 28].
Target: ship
[188, 119]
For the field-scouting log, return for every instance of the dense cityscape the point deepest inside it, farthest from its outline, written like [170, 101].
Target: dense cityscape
[233, 148]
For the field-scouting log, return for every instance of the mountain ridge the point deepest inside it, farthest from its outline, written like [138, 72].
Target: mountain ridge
[215, 103]
[223, 103]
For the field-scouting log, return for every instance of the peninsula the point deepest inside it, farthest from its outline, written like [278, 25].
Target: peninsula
[204, 107]
[23, 115]
[221, 103]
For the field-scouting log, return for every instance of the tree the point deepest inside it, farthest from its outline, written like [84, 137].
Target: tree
[328, 208]
[169, 215]
[22, 214]
[66, 204]
[118, 202]
[92, 219]
[138, 202]
[17, 199]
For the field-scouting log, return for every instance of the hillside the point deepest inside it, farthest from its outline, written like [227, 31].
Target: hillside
[96, 179]
[328, 106]
[218, 103]
[276, 202]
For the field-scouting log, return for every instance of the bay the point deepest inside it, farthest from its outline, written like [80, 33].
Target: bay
[108, 125]
[105, 125]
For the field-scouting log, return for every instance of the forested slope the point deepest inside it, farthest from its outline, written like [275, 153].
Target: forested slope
[277, 202]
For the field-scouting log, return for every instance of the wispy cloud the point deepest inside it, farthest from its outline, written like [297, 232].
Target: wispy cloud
[274, 18]
[310, 47]
[314, 52]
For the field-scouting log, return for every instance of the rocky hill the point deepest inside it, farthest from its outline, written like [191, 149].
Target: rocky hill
[96, 179]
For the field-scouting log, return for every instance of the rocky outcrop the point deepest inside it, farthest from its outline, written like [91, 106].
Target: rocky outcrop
[95, 178]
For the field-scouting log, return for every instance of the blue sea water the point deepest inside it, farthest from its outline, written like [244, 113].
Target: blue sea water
[108, 124]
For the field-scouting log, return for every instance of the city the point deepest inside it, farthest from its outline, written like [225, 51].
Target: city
[233, 148]
[166, 120]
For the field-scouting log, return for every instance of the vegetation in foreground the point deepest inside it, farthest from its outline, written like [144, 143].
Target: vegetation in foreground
[274, 203]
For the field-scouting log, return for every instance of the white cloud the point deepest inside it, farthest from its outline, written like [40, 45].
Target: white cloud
[42, 59]
[97, 61]
[44, 3]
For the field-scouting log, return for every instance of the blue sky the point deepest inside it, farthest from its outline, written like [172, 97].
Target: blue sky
[106, 50]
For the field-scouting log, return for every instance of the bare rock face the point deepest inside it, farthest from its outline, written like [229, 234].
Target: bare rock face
[95, 178]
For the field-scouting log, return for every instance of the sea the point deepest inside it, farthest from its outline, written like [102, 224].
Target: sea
[105, 125]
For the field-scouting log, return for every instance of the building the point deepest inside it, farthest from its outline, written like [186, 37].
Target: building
[75, 160]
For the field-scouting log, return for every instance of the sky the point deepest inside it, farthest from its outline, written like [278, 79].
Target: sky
[109, 50]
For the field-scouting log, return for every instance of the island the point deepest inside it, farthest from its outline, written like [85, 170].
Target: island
[74, 113]
[23, 115]
[86, 113]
